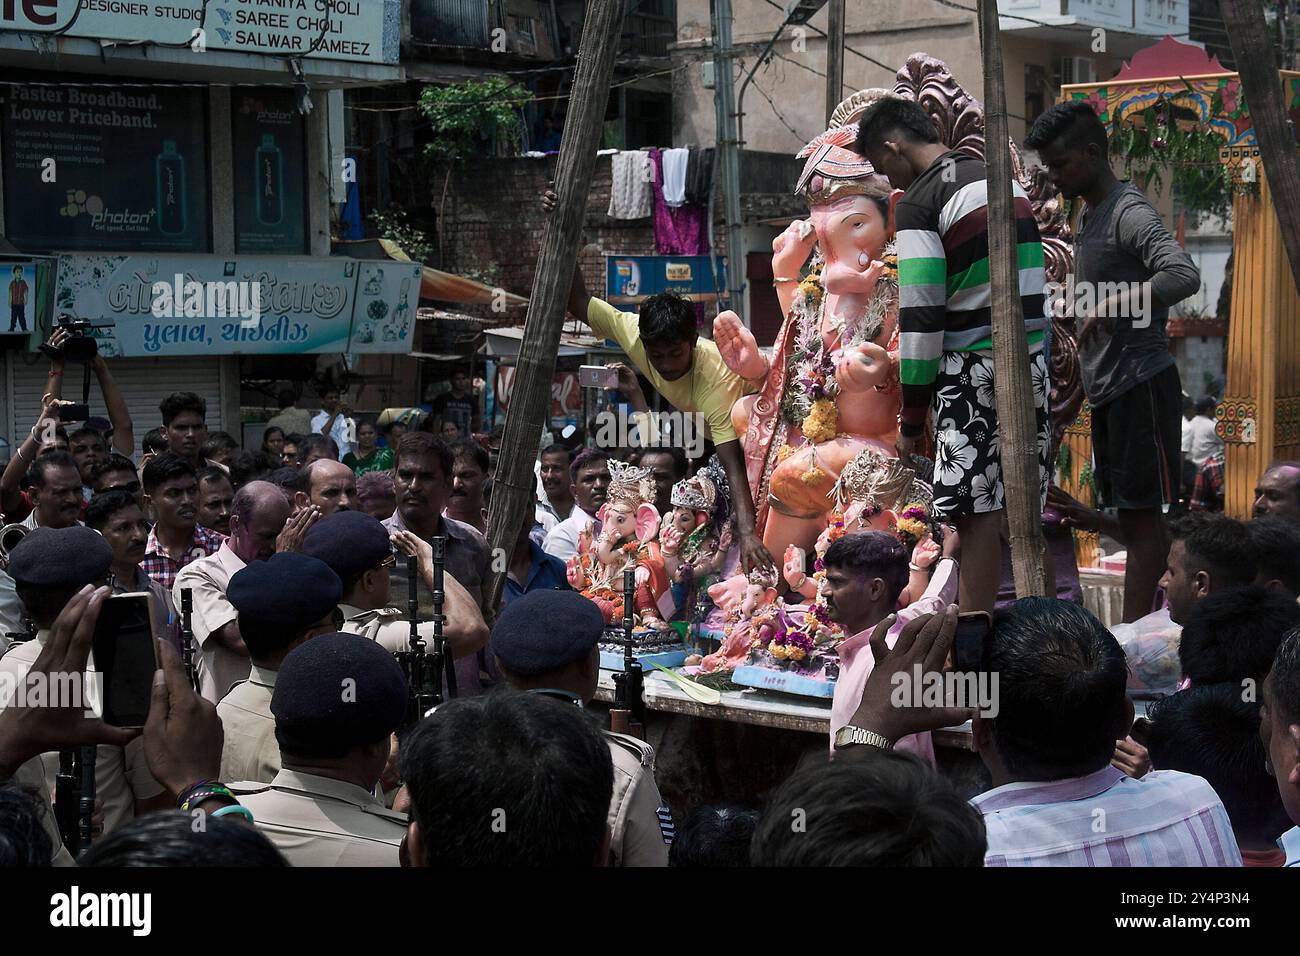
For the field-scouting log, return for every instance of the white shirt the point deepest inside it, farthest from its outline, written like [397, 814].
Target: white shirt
[563, 538]
[1204, 441]
[343, 431]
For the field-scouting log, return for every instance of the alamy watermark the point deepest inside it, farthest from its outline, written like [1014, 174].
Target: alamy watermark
[1113, 300]
[62, 689]
[191, 299]
[619, 428]
[972, 689]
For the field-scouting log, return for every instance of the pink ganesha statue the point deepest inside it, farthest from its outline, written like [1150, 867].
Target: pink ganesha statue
[831, 389]
[629, 523]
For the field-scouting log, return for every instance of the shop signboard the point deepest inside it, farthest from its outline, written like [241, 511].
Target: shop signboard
[105, 168]
[210, 305]
[268, 156]
[632, 279]
[365, 31]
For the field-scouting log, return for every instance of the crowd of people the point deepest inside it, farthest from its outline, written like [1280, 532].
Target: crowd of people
[295, 739]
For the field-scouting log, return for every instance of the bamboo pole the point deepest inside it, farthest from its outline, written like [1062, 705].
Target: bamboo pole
[530, 404]
[834, 56]
[1013, 390]
[1257, 67]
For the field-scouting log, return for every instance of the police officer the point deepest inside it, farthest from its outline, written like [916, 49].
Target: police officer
[337, 701]
[49, 566]
[282, 602]
[548, 642]
[358, 548]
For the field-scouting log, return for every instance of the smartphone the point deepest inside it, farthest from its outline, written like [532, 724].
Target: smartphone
[968, 643]
[126, 657]
[597, 376]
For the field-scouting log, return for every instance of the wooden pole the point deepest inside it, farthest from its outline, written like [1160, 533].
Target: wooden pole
[530, 403]
[1013, 389]
[1257, 66]
[834, 56]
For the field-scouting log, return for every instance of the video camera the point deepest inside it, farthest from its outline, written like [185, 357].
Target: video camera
[81, 345]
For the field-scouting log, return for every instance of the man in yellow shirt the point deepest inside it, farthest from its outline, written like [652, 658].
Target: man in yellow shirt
[664, 345]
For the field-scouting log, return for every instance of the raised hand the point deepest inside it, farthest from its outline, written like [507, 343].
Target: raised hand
[921, 648]
[414, 546]
[795, 576]
[58, 720]
[791, 249]
[737, 346]
[183, 735]
[926, 552]
[295, 529]
[670, 539]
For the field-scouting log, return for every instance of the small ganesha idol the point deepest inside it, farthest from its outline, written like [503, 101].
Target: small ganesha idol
[627, 539]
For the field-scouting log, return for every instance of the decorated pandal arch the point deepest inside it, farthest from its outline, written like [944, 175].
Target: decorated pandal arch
[1259, 416]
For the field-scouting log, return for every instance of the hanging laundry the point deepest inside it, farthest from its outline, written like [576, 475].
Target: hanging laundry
[699, 176]
[675, 176]
[630, 188]
[682, 231]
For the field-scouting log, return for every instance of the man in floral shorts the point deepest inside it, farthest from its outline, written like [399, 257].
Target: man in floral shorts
[945, 327]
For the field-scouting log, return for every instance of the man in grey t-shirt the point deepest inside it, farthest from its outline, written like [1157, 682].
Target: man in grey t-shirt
[1128, 271]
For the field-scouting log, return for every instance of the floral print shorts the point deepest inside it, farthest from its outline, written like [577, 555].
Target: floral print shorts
[967, 460]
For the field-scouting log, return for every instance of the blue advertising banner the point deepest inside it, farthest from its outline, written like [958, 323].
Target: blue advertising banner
[631, 279]
[209, 305]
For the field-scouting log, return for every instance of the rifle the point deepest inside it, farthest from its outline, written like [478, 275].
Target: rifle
[86, 797]
[74, 797]
[443, 662]
[627, 716]
[187, 637]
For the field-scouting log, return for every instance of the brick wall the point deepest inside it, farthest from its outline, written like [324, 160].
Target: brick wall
[494, 214]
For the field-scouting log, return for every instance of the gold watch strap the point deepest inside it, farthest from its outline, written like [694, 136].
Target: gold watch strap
[849, 736]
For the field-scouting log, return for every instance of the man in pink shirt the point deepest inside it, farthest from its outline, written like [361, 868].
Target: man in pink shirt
[865, 574]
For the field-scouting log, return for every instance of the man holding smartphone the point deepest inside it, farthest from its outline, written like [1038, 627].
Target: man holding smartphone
[49, 567]
[664, 345]
[865, 574]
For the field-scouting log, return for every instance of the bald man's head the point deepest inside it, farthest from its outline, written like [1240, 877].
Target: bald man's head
[330, 485]
[257, 516]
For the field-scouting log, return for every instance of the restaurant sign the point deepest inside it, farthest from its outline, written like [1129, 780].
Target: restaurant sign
[147, 305]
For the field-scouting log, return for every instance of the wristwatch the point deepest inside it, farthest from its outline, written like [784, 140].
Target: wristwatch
[850, 736]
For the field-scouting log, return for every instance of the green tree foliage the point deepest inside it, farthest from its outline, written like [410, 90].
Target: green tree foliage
[467, 118]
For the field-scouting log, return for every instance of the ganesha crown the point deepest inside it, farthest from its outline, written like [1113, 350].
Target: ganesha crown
[629, 484]
[696, 493]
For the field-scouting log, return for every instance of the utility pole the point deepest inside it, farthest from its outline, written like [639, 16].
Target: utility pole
[1257, 67]
[834, 56]
[724, 103]
[530, 407]
[1013, 388]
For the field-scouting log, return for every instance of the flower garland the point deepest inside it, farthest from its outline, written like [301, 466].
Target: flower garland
[913, 524]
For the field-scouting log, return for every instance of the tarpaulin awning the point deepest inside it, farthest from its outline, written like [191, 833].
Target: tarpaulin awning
[506, 341]
[434, 283]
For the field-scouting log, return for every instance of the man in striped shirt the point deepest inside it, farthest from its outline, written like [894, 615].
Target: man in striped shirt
[945, 327]
[1056, 798]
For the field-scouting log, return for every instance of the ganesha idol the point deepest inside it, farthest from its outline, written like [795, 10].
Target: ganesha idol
[627, 539]
[831, 388]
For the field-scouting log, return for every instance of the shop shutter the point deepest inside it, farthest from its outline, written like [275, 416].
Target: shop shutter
[144, 382]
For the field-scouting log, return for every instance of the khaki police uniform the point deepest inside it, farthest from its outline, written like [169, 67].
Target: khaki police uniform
[31, 778]
[250, 751]
[209, 578]
[388, 626]
[640, 823]
[121, 775]
[320, 821]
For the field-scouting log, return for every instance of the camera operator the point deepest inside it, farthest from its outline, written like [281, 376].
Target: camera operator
[123, 430]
